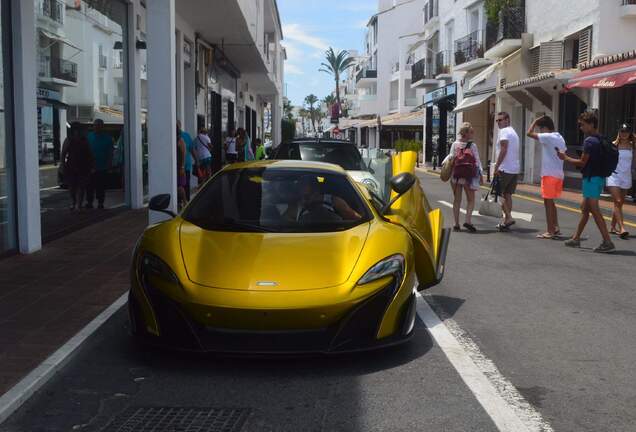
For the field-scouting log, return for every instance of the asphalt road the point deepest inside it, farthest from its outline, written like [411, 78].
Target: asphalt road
[558, 324]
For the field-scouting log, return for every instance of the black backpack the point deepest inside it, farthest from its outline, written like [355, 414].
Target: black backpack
[609, 157]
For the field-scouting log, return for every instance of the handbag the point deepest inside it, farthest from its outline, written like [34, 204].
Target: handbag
[490, 205]
[447, 168]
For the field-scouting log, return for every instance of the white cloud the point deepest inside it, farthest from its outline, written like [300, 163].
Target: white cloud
[359, 6]
[292, 69]
[294, 32]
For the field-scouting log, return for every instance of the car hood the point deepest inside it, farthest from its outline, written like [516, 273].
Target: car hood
[270, 261]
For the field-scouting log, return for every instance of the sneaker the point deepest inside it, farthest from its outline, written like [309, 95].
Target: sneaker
[573, 243]
[605, 247]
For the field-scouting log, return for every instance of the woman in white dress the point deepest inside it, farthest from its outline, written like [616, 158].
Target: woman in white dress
[465, 141]
[621, 180]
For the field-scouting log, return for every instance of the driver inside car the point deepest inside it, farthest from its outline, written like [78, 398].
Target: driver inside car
[317, 206]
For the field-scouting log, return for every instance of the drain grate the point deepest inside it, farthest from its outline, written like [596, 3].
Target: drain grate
[177, 419]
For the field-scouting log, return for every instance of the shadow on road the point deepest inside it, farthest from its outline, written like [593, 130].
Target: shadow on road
[444, 306]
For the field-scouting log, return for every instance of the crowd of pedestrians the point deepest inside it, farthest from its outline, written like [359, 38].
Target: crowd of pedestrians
[195, 156]
[603, 164]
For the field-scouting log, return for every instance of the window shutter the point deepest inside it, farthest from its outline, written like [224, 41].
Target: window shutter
[585, 45]
[534, 61]
[550, 56]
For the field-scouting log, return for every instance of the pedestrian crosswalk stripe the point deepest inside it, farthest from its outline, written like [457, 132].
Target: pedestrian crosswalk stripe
[515, 215]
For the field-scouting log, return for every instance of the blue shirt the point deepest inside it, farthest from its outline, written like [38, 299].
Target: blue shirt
[187, 139]
[102, 148]
[593, 167]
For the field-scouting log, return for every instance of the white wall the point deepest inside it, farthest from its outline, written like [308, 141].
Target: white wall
[402, 20]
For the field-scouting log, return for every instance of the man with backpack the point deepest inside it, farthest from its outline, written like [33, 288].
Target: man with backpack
[598, 161]
[466, 175]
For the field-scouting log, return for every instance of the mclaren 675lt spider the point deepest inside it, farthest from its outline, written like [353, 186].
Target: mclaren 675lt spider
[288, 257]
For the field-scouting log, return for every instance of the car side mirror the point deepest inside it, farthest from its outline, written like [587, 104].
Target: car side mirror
[160, 203]
[400, 184]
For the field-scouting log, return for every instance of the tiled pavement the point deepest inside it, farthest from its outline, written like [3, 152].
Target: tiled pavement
[47, 297]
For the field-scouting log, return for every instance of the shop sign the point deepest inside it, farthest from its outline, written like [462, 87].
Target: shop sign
[440, 93]
[49, 94]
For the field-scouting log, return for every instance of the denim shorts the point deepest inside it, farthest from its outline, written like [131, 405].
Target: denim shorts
[593, 187]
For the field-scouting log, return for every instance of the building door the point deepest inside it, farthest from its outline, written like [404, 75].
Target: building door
[230, 116]
[215, 132]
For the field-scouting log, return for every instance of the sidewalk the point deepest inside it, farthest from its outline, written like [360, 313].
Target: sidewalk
[568, 197]
[47, 297]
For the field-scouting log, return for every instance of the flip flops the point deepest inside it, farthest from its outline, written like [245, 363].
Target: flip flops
[624, 235]
[546, 236]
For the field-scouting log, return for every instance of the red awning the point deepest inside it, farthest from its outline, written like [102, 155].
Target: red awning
[605, 77]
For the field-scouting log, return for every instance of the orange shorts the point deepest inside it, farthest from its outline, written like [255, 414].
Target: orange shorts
[551, 187]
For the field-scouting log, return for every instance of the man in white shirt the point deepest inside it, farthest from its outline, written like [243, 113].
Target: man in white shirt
[551, 170]
[507, 167]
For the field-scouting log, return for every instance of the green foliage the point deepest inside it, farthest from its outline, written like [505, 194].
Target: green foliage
[336, 65]
[494, 6]
[403, 145]
[288, 130]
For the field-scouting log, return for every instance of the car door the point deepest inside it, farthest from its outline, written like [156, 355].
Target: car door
[424, 224]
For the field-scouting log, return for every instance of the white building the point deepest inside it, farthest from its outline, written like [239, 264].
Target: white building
[385, 97]
[139, 65]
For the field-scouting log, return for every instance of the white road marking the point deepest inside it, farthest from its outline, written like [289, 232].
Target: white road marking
[515, 215]
[500, 399]
[23, 390]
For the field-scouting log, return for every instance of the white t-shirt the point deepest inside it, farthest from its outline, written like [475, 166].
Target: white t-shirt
[551, 165]
[230, 142]
[201, 146]
[510, 164]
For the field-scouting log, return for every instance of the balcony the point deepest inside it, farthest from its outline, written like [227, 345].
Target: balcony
[469, 52]
[54, 10]
[443, 65]
[103, 99]
[411, 102]
[628, 9]
[366, 77]
[504, 36]
[423, 74]
[57, 70]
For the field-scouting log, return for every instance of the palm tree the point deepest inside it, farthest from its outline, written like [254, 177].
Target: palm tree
[311, 101]
[336, 65]
[329, 100]
[304, 115]
[288, 109]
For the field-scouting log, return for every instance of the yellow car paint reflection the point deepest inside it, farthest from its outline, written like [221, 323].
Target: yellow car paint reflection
[203, 289]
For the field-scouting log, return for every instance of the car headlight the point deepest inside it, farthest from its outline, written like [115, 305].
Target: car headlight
[390, 266]
[152, 265]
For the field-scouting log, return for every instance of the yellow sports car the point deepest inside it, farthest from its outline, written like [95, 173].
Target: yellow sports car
[287, 257]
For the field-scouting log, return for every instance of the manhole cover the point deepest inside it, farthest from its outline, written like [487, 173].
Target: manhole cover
[176, 419]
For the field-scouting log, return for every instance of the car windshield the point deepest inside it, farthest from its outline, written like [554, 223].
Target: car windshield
[277, 200]
[343, 154]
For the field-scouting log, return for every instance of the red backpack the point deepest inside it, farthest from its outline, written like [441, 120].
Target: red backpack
[465, 165]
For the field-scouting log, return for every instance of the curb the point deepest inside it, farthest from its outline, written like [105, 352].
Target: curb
[13, 399]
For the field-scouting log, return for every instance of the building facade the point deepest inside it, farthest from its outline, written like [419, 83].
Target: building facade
[139, 66]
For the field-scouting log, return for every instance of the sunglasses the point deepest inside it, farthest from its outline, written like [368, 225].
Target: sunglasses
[500, 120]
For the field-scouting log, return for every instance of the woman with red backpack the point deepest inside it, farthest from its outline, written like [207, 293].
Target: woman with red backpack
[466, 175]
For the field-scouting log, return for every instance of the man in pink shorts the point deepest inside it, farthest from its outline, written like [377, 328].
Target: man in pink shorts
[551, 170]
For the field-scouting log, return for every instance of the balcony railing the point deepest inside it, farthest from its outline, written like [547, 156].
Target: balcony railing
[54, 67]
[53, 9]
[366, 73]
[442, 63]
[511, 24]
[423, 69]
[469, 47]
[396, 67]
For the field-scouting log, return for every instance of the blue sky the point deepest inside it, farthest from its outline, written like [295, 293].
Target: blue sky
[309, 28]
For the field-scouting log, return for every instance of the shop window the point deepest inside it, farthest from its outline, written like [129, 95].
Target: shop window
[7, 185]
